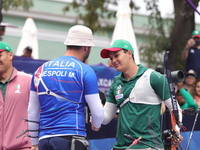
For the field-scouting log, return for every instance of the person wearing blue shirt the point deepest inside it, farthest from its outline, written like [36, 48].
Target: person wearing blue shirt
[191, 53]
[60, 89]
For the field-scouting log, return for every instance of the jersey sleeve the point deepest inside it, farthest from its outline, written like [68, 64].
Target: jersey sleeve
[111, 94]
[90, 82]
[33, 114]
[32, 84]
[160, 85]
[96, 109]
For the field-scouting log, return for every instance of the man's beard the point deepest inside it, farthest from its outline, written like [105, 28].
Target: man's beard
[85, 57]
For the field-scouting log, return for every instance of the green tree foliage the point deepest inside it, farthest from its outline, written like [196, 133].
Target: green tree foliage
[25, 4]
[91, 12]
[8, 4]
[184, 24]
[163, 34]
[178, 29]
[156, 40]
[95, 13]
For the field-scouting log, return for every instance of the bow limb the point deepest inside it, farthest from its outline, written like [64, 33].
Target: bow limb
[171, 88]
[175, 120]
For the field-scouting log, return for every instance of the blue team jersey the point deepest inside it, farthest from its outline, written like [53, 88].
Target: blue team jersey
[70, 78]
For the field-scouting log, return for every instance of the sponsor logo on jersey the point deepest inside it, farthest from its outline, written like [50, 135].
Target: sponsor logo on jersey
[18, 88]
[119, 93]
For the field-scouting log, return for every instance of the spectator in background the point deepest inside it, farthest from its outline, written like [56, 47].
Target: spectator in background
[189, 82]
[2, 31]
[27, 52]
[191, 53]
[14, 98]
[184, 98]
[197, 92]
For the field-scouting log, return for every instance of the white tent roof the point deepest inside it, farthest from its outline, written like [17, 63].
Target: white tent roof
[29, 38]
[124, 28]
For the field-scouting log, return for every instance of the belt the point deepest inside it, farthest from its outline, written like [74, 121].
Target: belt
[66, 137]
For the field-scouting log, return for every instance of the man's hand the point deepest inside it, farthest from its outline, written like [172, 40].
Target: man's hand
[92, 125]
[34, 147]
[180, 85]
[178, 140]
[191, 42]
[95, 129]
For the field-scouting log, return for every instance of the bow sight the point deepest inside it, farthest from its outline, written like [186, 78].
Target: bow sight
[177, 76]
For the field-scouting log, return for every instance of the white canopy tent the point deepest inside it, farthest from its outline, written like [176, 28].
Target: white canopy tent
[124, 28]
[29, 38]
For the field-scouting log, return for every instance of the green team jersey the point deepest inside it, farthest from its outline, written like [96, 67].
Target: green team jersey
[140, 116]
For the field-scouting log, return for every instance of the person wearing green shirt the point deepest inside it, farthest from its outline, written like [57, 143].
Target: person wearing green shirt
[184, 98]
[137, 92]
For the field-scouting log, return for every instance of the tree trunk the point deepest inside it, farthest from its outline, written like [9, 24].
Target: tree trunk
[183, 26]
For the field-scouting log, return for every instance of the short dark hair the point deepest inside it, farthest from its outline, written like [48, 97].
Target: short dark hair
[74, 47]
[29, 48]
[125, 51]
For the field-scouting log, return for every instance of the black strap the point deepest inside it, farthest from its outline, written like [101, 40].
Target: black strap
[27, 130]
[30, 121]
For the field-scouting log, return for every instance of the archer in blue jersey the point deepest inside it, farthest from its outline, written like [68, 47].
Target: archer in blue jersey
[60, 89]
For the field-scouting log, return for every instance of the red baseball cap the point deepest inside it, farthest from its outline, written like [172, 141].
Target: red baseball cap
[116, 46]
